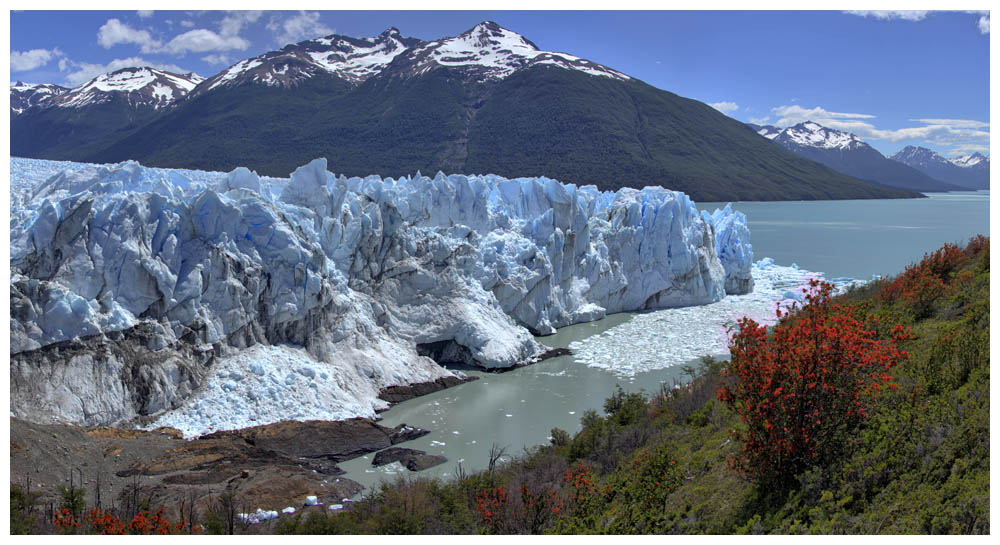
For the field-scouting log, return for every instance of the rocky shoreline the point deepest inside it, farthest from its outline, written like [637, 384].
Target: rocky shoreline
[270, 467]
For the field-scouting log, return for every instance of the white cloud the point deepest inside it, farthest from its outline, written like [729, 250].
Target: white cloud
[940, 131]
[299, 27]
[200, 40]
[115, 32]
[85, 71]
[234, 21]
[725, 107]
[22, 61]
[955, 123]
[969, 149]
[217, 58]
[919, 15]
[790, 115]
[144, 13]
[906, 15]
[760, 120]
[197, 40]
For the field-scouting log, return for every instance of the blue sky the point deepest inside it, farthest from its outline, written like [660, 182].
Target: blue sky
[894, 79]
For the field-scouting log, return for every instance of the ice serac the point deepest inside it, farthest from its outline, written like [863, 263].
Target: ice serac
[140, 292]
[732, 246]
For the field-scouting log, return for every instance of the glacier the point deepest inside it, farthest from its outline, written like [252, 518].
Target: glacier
[140, 293]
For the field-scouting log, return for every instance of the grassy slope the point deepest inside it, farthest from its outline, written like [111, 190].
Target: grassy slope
[919, 464]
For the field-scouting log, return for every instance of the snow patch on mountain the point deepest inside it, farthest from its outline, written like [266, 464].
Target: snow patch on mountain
[139, 86]
[28, 95]
[495, 52]
[357, 60]
[967, 161]
[817, 136]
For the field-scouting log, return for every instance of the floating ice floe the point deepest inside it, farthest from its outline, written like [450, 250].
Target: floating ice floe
[670, 337]
[257, 517]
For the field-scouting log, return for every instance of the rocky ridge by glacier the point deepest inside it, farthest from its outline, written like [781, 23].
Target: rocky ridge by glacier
[133, 290]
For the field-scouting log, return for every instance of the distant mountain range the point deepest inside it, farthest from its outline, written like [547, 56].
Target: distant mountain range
[845, 152]
[969, 171]
[487, 100]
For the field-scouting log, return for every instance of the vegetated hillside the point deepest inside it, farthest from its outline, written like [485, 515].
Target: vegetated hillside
[917, 463]
[542, 120]
[588, 130]
[72, 134]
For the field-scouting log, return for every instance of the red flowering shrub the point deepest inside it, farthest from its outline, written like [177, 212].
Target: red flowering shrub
[799, 389]
[922, 284]
[491, 504]
[65, 522]
[105, 522]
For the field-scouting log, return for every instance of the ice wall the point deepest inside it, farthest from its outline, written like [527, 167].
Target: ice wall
[360, 272]
[732, 246]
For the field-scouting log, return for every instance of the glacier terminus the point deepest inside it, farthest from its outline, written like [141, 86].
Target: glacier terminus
[143, 295]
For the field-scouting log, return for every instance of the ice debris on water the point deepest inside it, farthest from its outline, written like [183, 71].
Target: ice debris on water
[665, 338]
[257, 517]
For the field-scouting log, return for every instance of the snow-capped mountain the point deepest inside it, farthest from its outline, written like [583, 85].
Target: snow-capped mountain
[142, 87]
[489, 52]
[918, 157]
[350, 59]
[486, 51]
[812, 135]
[970, 172]
[487, 100]
[32, 95]
[846, 152]
[969, 161]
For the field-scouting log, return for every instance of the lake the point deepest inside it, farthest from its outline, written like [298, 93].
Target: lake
[862, 238]
[518, 409]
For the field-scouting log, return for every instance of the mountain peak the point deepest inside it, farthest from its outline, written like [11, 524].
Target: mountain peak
[814, 135]
[141, 85]
[967, 161]
[489, 51]
[31, 95]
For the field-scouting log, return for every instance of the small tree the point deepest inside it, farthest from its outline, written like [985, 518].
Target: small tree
[800, 389]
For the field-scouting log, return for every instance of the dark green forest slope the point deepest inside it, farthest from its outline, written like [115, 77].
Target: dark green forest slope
[540, 121]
